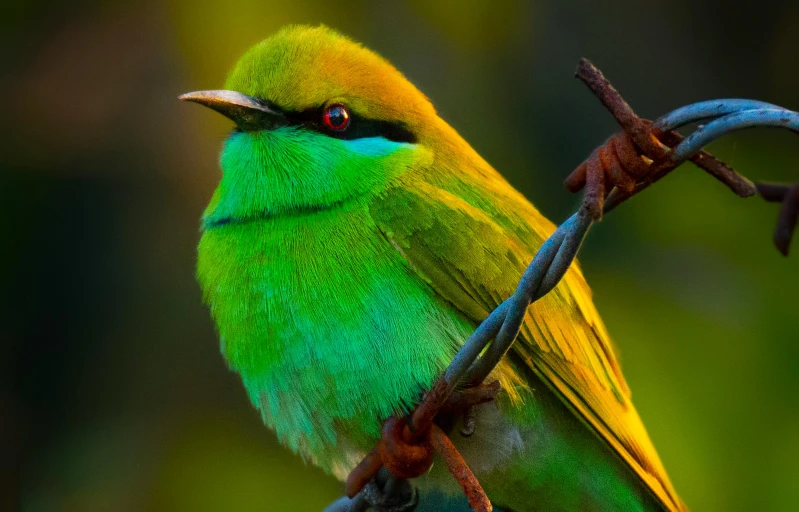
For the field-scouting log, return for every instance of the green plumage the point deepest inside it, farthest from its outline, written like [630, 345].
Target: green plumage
[344, 274]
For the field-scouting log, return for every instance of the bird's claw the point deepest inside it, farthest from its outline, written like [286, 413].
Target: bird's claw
[464, 402]
[469, 422]
[462, 399]
[389, 494]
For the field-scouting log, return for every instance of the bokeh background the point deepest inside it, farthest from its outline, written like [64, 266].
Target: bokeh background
[113, 395]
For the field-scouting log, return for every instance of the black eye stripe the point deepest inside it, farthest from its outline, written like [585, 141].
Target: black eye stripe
[358, 127]
[361, 128]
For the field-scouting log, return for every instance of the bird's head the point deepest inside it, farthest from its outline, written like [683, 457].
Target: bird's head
[320, 120]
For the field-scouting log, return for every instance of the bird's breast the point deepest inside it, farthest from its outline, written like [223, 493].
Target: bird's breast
[329, 328]
[332, 332]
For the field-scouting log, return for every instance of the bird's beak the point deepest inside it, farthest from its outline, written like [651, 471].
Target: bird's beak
[247, 112]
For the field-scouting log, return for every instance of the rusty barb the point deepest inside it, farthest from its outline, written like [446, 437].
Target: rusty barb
[788, 195]
[639, 155]
[644, 152]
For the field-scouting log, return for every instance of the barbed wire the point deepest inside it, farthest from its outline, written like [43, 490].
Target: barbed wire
[642, 153]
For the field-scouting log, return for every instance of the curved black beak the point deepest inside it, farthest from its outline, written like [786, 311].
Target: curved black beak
[247, 112]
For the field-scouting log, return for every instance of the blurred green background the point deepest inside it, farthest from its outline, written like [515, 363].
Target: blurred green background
[113, 394]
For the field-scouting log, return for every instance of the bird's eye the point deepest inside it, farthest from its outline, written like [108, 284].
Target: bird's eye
[336, 117]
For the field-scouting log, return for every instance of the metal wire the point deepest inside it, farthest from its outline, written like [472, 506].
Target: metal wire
[697, 112]
[557, 253]
[704, 135]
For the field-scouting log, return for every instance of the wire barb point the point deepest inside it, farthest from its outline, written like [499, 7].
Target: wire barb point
[788, 195]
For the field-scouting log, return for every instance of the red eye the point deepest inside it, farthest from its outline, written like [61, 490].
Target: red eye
[336, 117]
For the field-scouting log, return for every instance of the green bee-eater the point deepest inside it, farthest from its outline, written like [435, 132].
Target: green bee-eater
[355, 241]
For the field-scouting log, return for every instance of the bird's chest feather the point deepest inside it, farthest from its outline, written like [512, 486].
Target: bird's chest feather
[329, 328]
[332, 332]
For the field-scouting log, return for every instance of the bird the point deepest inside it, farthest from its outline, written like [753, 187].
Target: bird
[353, 243]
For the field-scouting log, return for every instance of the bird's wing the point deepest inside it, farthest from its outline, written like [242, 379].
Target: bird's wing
[471, 244]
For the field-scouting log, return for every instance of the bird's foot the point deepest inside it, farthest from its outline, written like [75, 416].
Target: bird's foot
[464, 401]
[389, 494]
